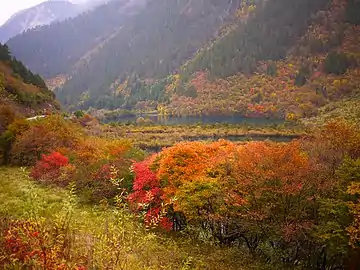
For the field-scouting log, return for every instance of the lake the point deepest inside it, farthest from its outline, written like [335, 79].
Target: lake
[190, 120]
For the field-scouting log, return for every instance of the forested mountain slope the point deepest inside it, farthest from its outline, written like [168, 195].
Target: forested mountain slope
[21, 91]
[275, 58]
[272, 67]
[54, 49]
[144, 39]
[266, 63]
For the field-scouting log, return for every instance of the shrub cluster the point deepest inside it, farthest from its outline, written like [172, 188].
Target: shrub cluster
[336, 63]
[296, 203]
[61, 152]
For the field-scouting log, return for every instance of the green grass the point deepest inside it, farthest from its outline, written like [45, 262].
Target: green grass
[104, 233]
[18, 194]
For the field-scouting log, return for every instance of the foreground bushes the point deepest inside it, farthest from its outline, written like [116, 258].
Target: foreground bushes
[45, 228]
[61, 152]
[293, 203]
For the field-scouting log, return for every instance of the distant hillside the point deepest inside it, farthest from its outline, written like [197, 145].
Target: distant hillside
[121, 41]
[274, 58]
[21, 90]
[54, 49]
[281, 64]
[42, 14]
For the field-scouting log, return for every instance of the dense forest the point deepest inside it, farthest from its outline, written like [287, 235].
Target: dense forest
[291, 77]
[193, 57]
[54, 49]
[100, 50]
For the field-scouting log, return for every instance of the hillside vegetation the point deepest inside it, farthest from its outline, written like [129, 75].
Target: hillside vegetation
[257, 73]
[38, 222]
[130, 41]
[79, 195]
[21, 91]
[192, 205]
[203, 57]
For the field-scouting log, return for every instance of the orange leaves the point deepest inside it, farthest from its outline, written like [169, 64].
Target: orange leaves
[221, 178]
[69, 154]
[188, 161]
[270, 167]
[343, 136]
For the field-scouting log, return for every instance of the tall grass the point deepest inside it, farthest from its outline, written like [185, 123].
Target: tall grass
[73, 236]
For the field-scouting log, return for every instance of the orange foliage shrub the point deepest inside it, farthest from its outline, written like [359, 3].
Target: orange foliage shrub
[62, 152]
[43, 137]
[259, 193]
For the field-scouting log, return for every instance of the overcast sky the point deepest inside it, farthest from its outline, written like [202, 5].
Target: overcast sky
[9, 7]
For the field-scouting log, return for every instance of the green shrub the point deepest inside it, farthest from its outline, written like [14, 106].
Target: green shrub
[79, 114]
[302, 75]
[7, 116]
[336, 63]
[353, 12]
[271, 69]
[16, 128]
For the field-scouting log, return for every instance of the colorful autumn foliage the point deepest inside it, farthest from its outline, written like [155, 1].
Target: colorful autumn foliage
[273, 198]
[49, 169]
[31, 245]
[43, 137]
[292, 87]
[147, 196]
[61, 152]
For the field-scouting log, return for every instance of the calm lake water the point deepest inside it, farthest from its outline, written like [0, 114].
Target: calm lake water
[190, 120]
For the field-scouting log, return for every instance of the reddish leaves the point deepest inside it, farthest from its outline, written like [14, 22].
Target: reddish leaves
[147, 196]
[34, 246]
[49, 167]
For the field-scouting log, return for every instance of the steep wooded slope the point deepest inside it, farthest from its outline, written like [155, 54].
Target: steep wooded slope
[54, 49]
[276, 58]
[20, 90]
[264, 69]
[144, 39]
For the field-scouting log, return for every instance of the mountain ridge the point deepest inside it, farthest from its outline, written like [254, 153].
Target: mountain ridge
[203, 57]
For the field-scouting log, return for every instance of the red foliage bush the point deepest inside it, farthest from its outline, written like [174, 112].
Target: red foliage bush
[49, 167]
[146, 186]
[147, 196]
[29, 245]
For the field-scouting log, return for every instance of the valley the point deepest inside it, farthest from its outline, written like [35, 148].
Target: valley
[182, 134]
